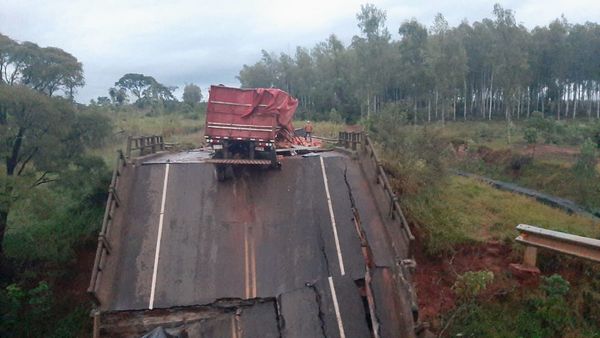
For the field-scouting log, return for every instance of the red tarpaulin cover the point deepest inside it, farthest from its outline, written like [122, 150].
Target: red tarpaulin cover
[256, 101]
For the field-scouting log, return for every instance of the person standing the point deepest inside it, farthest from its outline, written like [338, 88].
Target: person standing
[308, 130]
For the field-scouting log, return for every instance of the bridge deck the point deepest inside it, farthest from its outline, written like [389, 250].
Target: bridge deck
[272, 237]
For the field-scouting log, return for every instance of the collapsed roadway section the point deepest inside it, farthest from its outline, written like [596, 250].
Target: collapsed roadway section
[297, 252]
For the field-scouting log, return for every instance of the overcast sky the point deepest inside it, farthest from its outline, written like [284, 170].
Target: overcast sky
[204, 42]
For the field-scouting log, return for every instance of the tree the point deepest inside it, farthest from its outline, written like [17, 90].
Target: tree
[144, 88]
[192, 94]
[491, 69]
[413, 51]
[531, 135]
[46, 70]
[103, 101]
[41, 136]
[372, 51]
[135, 83]
[118, 96]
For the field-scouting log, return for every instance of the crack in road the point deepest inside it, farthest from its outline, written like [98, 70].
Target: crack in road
[280, 318]
[321, 315]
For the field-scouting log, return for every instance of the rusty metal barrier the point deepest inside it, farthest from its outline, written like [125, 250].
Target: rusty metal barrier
[349, 140]
[104, 246]
[396, 226]
[145, 144]
[535, 237]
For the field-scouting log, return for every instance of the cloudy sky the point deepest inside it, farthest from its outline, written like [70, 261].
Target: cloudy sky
[204, 42]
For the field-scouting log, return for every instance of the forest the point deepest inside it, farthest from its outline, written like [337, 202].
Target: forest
[495, 68]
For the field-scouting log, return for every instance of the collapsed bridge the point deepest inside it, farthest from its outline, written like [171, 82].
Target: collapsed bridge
[317, 249]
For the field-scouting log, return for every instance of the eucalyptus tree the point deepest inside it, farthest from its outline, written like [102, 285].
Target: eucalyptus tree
[511, 53]
[413, 58]
[371, 49]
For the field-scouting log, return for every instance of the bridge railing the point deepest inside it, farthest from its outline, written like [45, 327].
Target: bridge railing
[535, 237]
[349, 140]
[145, 144]
[104, 246]
[396, 226]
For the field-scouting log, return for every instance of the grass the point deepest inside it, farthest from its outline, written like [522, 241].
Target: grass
[467, 211]
[551, 176]
[176, 128]
[323, 128]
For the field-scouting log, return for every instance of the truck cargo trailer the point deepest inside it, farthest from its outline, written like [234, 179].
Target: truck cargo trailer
[244, 126]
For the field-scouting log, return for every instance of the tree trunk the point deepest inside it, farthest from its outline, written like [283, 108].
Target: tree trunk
[589, 99]
[575, 90]
[465, 99]
[415, 118]
[568, 94]
[528, 101]
[3, 223]
[543, 104]
[482, 105]
[519, 106]
[454, 104]
[436, 104]
[429, 109]
[597, 101]
[443, 111]
[491, 95]
[558, 103]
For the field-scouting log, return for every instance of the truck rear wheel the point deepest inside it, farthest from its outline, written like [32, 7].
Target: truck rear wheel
[273, 157]
[229, 172]
[220, 173]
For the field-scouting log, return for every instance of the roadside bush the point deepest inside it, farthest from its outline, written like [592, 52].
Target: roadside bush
[47, 225]
[518, 163]
[335, 116]
[415, 158]
[25, 312]
[542, 313]
[471, 284]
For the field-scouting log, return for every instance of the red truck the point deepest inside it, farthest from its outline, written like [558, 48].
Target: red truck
[244, 126]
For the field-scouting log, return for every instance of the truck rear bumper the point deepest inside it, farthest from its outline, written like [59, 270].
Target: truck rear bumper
[234, 161]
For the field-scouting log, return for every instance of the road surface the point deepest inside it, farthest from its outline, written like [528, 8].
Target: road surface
[281, 245]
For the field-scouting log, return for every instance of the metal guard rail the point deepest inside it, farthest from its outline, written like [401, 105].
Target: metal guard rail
[141, 143]
[350, 140]
[398, 232]
[583, 247]
[104, 246]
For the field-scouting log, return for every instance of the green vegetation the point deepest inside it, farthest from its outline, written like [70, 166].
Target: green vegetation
[57, 157]
[471, 284]
[450, 214]
[558, 169]
[467, 211]
[408, 93]
[490, 69]
[542, 312]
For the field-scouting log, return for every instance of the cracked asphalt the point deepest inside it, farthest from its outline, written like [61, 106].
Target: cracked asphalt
[185, 239]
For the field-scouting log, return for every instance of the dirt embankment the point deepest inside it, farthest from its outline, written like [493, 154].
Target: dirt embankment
[434, 277]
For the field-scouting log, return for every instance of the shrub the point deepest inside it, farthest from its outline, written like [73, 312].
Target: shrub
[25, 313]
[471, 284]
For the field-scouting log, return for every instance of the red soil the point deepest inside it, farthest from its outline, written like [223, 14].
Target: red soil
[434, 277]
